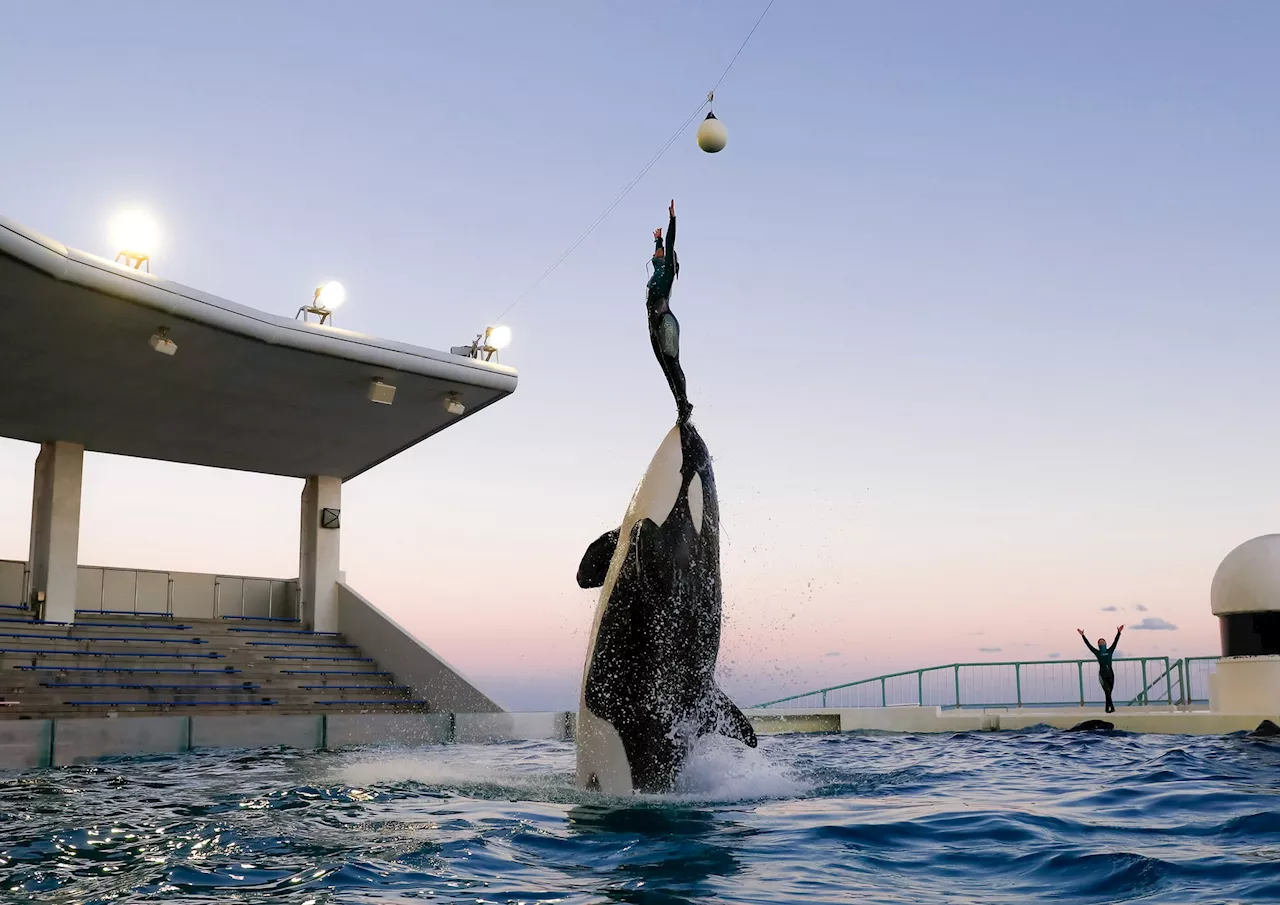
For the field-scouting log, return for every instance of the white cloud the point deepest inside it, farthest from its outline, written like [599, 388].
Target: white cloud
[1155, 624]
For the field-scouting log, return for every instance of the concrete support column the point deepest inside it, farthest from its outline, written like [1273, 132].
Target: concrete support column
[55, 529]
[318, 553]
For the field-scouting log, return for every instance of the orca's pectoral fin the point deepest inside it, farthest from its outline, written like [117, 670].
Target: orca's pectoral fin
[724, 717]
[595, 562]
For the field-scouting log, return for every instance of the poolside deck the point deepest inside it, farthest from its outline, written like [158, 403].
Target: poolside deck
[1154, 719]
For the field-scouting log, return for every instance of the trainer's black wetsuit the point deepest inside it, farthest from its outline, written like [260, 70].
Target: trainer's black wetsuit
[664, 329]
[1106, 675]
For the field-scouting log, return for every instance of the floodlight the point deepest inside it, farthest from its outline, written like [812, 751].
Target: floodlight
[135, 235]
[330, 296]
[497, 337]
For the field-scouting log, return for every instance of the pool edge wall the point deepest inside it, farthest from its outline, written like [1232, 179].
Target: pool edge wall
[934, 719]
[61, 742]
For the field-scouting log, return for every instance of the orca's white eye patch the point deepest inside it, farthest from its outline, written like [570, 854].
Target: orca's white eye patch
[696, 502]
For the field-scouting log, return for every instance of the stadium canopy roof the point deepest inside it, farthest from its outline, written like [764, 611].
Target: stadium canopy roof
[245, 390]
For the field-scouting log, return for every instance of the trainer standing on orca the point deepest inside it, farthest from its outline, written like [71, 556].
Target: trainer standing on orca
[1106, 675]
[664, 329]
[648, 685]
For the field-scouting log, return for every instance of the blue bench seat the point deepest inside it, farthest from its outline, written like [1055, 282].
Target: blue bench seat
[326, 659]
[212, 655]
[156, 614]
[137, 640]
[168, 627]
[282, 631]
[137, 625]
[333, 672]
[288, 644]
[130, 640]
[264, 618]
[398, 689]
[369, 703]
[246, 686]
[170, 703]
[133, 670]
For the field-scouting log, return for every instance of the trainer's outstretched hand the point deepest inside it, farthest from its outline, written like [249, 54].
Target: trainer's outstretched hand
[657, 233]
[1081, 631]
[1119, 628]
[672, 209]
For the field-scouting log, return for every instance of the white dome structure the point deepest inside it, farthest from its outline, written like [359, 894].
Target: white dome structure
[1245, 596]
[1248, 580]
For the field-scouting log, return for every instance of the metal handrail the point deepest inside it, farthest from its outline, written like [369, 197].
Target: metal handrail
[25, 592]
[1142, 695]
[244, 584]
[1165, 668]
[246, 577]
[1186, 670]
[291, 593]
[137, 573]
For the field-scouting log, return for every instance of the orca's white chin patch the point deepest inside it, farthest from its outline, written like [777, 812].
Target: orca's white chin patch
[602, 759]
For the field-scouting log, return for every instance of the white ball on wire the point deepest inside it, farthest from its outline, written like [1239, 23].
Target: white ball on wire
[712, 135]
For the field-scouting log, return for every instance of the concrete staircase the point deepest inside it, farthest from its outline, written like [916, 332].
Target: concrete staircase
[126, 663]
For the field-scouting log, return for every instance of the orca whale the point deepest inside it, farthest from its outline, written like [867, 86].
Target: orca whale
[1093, 726]
[648, 686]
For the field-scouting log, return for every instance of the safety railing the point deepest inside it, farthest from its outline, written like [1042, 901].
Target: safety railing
[15, 584]
[137, 581]
[191, 595]
[121, 597]
[1195, 673]
[288, 595]
[1140, 681]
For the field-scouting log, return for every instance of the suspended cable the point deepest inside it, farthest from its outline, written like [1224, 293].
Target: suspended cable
[635, 180]
[605, 213]
[740, 49]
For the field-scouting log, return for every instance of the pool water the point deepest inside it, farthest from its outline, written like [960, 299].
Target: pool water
[977, 817]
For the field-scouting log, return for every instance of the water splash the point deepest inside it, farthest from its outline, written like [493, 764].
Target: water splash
[721, 770]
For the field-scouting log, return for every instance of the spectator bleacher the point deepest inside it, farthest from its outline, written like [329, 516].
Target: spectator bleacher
[136, 663]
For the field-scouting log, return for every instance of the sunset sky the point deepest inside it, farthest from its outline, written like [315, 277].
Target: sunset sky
[979, 306]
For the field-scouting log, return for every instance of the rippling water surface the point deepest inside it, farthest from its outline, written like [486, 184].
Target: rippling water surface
[981, 817]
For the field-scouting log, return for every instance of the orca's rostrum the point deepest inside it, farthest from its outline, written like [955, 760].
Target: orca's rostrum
[648, 686]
